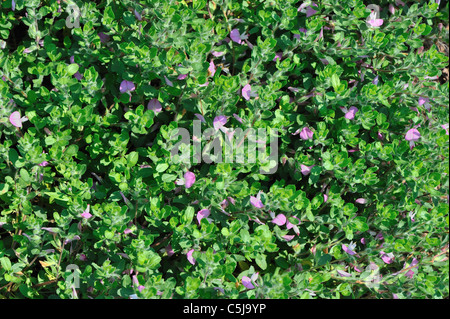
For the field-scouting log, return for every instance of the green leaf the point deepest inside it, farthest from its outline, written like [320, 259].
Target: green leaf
[6, 263]
[261, 261]
[72, 69]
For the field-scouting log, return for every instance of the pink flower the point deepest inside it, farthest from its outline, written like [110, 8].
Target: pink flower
[288, 237]
[387, 258]
[289, 225]
[189, 256]
[218, 54]
[86, 213]
[325, 198]
[256, 202]
[349, 249]
[350, 114]
[154, 105]
[16, 119]
[445, 127]
[203, 213]
[280, 220]
[361, 201]
[126, 86]
[423, 100]
[363, 241]
[306, 169]
[189, 179]
[247, 92]
[248, 282]
[412, 136]
[306, 134]
[391, 9]
[212, 68]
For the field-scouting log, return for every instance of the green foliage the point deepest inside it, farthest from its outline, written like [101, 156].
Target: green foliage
[90, 147]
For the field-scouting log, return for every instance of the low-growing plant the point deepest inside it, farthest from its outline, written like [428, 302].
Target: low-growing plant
[95, 203]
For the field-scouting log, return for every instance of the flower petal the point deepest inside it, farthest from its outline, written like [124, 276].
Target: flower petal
[280, 220]
[256, 202]
[189, 179]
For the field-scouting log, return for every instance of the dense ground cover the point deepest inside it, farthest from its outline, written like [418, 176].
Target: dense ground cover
[93, 203]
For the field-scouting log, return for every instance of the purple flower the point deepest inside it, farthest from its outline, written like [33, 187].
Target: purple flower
[349, 249]
[280, 220]
[235, 36]
[168, 82]
[78, 76]
[306, 134]
[256, 202]
[310, 11]
[445, 127]
[380, 136]
[104, 38]
[248, 282]
[200, 117]
[375, 80]
[237, 118]
[343, 273]
[13, 5]
[127, 231]
[363, 241]
[306, 169]
[16, 119]
[126, 86]
[169, 250]
[189, 256]
[189, 179]
[219, 121]
[86, 213]
[182, 76]
[278, 56]
[203, 213]
[137, 15]
[154, 105]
